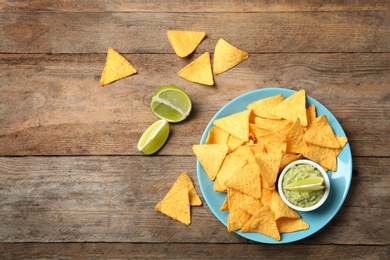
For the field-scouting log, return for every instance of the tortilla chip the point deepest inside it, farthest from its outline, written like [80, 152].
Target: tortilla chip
[272, 140]
[293, 107]
[311, 113]
[176, 205]
[234, 143]
[321, 133]
[246, 180]
[326, 157]
[199, 71]
[294, 138]
[250, 204]
[342, 140]
[184, 181]
[286, 225]
[226, 56]
[116, 67]
[185, 42]
[217, 136]
[262, 222]
[269, 164]
[237, 217]
[225, 205]
[280, 209]
[273, 124]
[231, 164]
[289, 158]
[266, 195]
[263, 107]
[210, 157]
[236, 124]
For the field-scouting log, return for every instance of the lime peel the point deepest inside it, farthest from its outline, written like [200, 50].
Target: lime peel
[307, 184]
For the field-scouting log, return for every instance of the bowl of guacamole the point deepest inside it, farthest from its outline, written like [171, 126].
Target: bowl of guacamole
[304, 185]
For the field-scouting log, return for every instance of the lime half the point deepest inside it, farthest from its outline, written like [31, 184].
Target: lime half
[154, 137]
[307, 184]
[171, 103]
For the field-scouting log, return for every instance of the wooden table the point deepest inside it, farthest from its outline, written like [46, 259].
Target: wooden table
[72, 183]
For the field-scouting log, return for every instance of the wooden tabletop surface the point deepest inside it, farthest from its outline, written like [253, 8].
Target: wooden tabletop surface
[72, 183]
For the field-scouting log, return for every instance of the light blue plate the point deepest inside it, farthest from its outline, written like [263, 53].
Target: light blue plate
[339, 180]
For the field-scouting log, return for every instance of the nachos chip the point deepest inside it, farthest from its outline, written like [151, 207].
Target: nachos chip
[116, 67]
[199, 71]
[226, 56]
[293, 107]
[211, 157]
[236, 124]
[176, 203]
[263, 107]
[185, 42]
[321, 133]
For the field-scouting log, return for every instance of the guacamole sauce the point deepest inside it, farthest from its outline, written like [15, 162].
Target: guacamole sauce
[301, 198]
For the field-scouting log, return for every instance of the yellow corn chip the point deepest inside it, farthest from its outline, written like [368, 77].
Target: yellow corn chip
[262, 222]
[199, 71]
[217, 136]
[185, 42]
[176, 206]
[321, 133]
[232, 164]
[236, 124]
[293, 107]
[116, 67]
[225, 205]
[269, 163]
[263, 107]
[250, 204]
[311, 113]
[326, 157]
[226, 56]
[294, 138]
[184, 181]
[210, 157]
[280, 209]
[266, 195]
[246, 180]
[289, 158]
[286, 225]
[273, 124]
[272, 140]
[237, 217]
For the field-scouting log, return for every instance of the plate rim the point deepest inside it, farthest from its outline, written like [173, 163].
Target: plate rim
[346, 151]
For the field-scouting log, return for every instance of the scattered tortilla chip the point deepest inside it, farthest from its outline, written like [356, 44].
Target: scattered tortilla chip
[184, 181]
[176, 206]
[293, 107]
[286, 225]
[226, 56]
[236, 124]
[263, 107]
[250, 204]
[294, 138]
[232, 164]
[117, 67]
[321, 133]
[237, 217]
[199, 71]
[289, 158]
[185, 42]
[210, 157]
[272, 140]
[217, 136]
[262, 222]
[246, 180]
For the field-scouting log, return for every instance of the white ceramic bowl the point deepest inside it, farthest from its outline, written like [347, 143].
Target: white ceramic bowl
[324, 175]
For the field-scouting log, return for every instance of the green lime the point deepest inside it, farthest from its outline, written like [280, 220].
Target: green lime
[154, 137]
[171, 103]
[307, 184]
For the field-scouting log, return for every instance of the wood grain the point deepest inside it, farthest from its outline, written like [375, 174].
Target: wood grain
[137, 32]
[53, 104]
[188, 6]
[187, 251]
[112, 199]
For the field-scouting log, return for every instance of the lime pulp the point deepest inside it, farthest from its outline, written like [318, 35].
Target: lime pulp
[307, 184]
[154, 137]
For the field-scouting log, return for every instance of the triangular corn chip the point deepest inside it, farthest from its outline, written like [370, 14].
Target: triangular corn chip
[116, 67]
[246, 180]
[230, 165]
[199, 71]
[217, 136]
[210, 157]
[286, 225]
[326, 157]
[184, 181]
[293, 107]
[263, 107]
[262, 222]
[294, 137]
[280, 209]
[176, 205]
[237, 217]
[321, 133]
[185, 42]
[226, 56]
[236, 124]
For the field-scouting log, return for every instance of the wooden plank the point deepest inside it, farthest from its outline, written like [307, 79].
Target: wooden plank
[112, 199]
[146, 32]
[189, 6]
[53, 104]
[187, 251]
